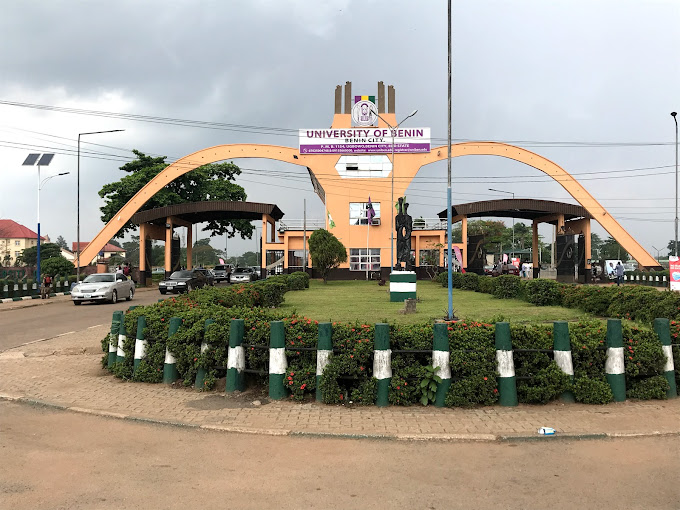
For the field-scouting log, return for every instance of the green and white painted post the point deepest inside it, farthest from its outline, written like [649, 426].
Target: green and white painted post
[170, 372]
[562, 355]
[382, 363]
[507, 384]
[277, 360]
[236, 358]
[441, 358]
[113, 337]
[324, 349]
[663, 329]
[140, 344]
[614, 366]
[201, 372]
[122, 337]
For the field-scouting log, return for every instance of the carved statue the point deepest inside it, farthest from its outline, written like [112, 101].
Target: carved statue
[404, 226]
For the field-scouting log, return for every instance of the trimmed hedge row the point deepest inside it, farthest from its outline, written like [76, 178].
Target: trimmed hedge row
[637, 303]
[17, 289]
[349, 374]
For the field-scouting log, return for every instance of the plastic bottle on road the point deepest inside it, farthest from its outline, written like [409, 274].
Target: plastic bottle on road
[546, 431]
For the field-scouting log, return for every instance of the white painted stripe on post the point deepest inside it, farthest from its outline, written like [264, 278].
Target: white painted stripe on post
[121, 352]
[140, 348]
[204, 347]
[169, 358]
[614, 363]
[670, 365]
[402, 287]
[382, 364]
[563, 360]
[236, 358]
[506, 365]
[113, 344]
[322, 358]
[441, 359]
[278, 364]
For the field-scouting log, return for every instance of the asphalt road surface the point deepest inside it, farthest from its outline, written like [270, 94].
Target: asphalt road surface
[35, 320]
[58, 459]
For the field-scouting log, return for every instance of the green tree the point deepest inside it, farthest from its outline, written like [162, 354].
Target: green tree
[204, 254]
[115, 243]
[132, 250]
[612, 250]
[29, 256]
[327, 252]
[61, 242]
[56, 266]
[208, 182]
[671, 247]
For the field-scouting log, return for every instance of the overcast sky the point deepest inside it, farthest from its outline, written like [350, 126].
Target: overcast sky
[589, 84]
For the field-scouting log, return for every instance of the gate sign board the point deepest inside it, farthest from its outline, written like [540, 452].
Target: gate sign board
[367, 140]
[674, 271]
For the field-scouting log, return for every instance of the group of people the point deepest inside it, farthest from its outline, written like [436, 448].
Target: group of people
[124, 269]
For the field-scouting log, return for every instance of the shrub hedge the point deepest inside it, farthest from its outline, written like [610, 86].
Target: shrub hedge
[349, 374]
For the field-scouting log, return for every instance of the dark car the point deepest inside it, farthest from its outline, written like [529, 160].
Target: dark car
[500, 269]
[183, 281]
[208, 274]
[242, 275]
[222, 272]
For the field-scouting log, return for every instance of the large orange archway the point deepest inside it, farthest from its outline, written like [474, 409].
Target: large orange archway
[407, 165]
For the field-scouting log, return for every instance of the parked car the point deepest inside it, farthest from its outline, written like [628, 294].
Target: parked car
[499, 269]
[103, 287]
[185, 280]
[208, 274]
[488, 270]
[242, 275]
[222, 272]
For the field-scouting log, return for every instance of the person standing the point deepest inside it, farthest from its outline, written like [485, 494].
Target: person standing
[619, 273]
[46, 287]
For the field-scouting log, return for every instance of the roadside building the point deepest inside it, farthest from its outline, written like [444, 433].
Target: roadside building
[14, 238]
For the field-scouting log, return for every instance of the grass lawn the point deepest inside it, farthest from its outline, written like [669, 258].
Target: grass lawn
[367, 302]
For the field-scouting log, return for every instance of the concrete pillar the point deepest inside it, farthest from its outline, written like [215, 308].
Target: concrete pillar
[464, 239]
[535, 248]
[168, 246]
[190, 246]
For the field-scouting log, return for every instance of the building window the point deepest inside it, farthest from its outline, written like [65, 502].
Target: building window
[17, 243]
[429, 257]
[16, 254]
[274, 260]
[357, 213]
[362, 259]
[296, 259]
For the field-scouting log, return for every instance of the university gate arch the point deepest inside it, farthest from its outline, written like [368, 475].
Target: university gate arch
[322, 167]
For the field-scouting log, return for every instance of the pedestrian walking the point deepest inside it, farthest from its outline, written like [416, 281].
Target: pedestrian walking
[619, 273]
[46, 287]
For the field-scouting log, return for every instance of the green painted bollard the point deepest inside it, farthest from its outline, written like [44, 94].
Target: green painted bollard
[122, 337]
[113, 337]
[201, 372]
[236, 358]
[170, 373]
[140, 344]
[277, 360]
[562, 354]
[324, 349]
[507, 384]
[663, 329]
[441, 358]
[614, 366]
[382, 363]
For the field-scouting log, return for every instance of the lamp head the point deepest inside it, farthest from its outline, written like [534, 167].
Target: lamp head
[673, 114]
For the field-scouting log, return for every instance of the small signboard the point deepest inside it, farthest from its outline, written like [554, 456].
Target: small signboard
[674, 271]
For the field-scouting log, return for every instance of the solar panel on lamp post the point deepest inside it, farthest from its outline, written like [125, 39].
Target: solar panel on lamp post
[39, 160]
[78, 198]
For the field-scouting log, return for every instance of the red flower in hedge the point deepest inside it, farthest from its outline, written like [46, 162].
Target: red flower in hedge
[303, 386]
[495, 390]
[486, 379]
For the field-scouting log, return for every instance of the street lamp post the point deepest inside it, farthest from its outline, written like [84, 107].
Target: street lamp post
[657, 252]
[393, 131]
[675, 118]
[513, 219]
[78, 198]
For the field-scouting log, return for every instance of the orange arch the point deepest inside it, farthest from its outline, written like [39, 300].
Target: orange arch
[406, 164]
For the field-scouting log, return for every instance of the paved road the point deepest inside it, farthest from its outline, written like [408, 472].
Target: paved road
[57, 459]
[35, 320]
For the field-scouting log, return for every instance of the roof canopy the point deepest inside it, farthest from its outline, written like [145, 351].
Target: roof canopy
[521, 208]
[199, 212]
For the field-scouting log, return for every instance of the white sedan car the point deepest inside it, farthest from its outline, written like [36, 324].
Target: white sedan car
[103, 287]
